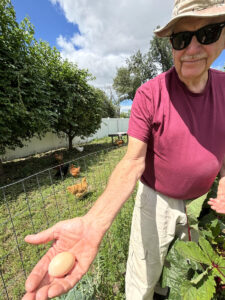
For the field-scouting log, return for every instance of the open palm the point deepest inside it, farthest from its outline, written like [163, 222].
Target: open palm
[76, 236]
[218, 204]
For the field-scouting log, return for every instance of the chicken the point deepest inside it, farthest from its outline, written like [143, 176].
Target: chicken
[62, 170]
[79, 189]
[74, 171]
[119, 142]
[58, 157]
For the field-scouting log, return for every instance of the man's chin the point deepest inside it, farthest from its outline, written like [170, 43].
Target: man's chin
[193, 71]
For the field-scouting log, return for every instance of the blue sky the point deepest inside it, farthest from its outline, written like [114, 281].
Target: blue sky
[220, 61]
[48, 19]
[98, 37]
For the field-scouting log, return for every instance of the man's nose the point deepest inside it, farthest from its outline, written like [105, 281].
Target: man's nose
[194, 44]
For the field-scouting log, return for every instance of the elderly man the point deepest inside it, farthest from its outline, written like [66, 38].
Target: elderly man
[176, 147]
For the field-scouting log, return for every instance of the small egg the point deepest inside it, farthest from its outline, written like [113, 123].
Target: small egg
[61, 264]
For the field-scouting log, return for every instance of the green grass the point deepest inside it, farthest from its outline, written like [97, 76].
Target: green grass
[40, 201]
[21, 168]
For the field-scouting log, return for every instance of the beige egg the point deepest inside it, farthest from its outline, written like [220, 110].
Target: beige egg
[61, 264]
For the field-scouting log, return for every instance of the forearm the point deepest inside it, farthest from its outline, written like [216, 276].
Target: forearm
[120, 186]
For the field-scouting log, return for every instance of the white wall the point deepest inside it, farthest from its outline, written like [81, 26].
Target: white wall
[52, 142]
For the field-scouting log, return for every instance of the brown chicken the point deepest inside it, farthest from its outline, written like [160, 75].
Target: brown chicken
[74, 171]
[79, 189]
[58, 157]
[119, 142]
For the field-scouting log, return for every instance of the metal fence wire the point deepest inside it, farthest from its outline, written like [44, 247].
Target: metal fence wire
[39, 201]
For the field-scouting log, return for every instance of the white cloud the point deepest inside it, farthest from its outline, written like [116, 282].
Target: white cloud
[110, 32]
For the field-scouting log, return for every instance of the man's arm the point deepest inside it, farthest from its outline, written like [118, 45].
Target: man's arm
[120, 186]
[81, 236]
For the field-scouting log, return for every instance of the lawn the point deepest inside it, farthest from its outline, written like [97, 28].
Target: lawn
[31, 204]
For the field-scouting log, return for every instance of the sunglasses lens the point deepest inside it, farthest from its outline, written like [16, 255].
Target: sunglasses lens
[209, 34]
[181, 40]
[205, 35]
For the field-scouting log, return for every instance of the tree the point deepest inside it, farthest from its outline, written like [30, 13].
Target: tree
[139, 69]
[142, 67]
[108, 108]
[123, 84]
[125, 114]
[161, 52]
[76, 103]
[24, 91]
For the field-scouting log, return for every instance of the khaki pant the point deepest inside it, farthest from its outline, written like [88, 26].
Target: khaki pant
[157, 219]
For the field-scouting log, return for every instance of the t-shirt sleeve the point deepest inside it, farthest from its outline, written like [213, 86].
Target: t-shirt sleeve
[140, 122]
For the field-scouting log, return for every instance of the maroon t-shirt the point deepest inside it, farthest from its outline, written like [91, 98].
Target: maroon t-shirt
[184, 131]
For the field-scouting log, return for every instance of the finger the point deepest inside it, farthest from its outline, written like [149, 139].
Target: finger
[213, 199]
[41, 237]
[39, 272]
[57, 290]
[63, 285]
[218, 209]
[29, 296]
[42, 293]
[211, 202]
[213, 207]
[221, 211]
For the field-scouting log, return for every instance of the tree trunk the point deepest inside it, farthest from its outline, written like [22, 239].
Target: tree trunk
[1, 168]
[70, 142]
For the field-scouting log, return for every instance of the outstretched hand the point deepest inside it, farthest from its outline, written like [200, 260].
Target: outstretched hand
[218, 203]
[76, 236]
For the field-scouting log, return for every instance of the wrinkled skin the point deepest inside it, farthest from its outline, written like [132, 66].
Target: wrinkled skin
[218, 204]
[77, 236]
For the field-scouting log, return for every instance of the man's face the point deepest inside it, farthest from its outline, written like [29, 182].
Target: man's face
[194, 61]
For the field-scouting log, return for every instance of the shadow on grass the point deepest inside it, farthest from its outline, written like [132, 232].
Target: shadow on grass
[41, 170]
[24, 167]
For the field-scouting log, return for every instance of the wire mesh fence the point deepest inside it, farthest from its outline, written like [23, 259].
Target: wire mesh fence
[39, 201]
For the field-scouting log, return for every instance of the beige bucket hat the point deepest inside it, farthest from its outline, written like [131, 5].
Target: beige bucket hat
[192, 8]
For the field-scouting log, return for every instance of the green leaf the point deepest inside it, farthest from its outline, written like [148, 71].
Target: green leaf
[83, 290]
[220, 269]
[194, 208]
[208, 250]
[192, 251]
[197, 279]
[203, 291]
[188, 292]
[177, 270]
[208, 234]
[207, 288]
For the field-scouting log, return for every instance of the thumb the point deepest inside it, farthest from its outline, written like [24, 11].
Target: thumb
[41, 237]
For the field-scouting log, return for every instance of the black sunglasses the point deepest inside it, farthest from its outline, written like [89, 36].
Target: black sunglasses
[206, 35]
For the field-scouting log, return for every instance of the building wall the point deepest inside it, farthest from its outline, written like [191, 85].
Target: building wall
[52, 141]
